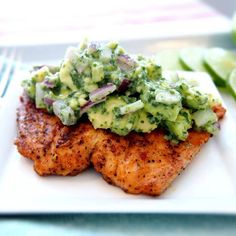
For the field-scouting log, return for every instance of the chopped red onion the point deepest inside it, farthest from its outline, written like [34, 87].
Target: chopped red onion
[48, 84]
[125, 62]
[88, 105]
[217, 125]
[38, 67]
[52, 69]
[48, 101]
[93, 47]
[123, 85]
[102, 92]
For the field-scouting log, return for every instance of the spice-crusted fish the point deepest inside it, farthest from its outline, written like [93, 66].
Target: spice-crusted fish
[138, 163]
[54, 147]
[146, 163]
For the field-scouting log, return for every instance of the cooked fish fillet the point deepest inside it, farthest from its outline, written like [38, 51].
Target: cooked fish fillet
[54, 148]
[145, 163]
[137, 163]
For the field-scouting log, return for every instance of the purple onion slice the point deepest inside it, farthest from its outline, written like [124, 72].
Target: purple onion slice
[102, 92]
[88, 105]
[48, 101]
[123, 85]
[52, 69]
[93, 47]
[48, 84]
[217, 125]
[125, 62]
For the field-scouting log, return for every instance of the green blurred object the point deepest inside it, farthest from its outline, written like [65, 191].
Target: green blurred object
[220, 62]
[234, 28]
[169, 60]
[192, 58]
[232, 83]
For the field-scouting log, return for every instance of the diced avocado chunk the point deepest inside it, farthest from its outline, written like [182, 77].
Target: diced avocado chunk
[122, 125]
[145, 122]
[179, 128]
[29, 87]
[102, 114]
[112, 45]
[105, 116]
[97, 72]
[193, 98]
[77, 100]
[167, 112]
[65, 74]
[73, 103]
[161, 102]
[64, 112]
[40, 74]
[153, 70]
[89, 87]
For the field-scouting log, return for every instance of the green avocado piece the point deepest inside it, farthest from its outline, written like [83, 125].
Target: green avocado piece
[145, 122]
[179, 128]
[65, 74]
[102, 114]
[122, 125]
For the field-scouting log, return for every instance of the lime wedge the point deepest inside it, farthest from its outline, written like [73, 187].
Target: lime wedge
[220, 63]
[232, 83]
[234, 28]
[192, 58]
[169, 60]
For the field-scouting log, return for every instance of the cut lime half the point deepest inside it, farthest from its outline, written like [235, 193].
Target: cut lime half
[169, 60]
[234, 28]
[232, 83]
[193, 58]
[221, 63]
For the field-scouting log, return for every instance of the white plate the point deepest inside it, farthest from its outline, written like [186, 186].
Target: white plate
[208, 185]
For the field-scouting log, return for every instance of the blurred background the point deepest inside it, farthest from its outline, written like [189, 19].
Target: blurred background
[49, 21]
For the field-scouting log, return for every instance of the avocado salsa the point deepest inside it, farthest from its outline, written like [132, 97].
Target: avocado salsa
[120, 92]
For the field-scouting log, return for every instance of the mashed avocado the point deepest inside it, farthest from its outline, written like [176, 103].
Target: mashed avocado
[119, 92]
